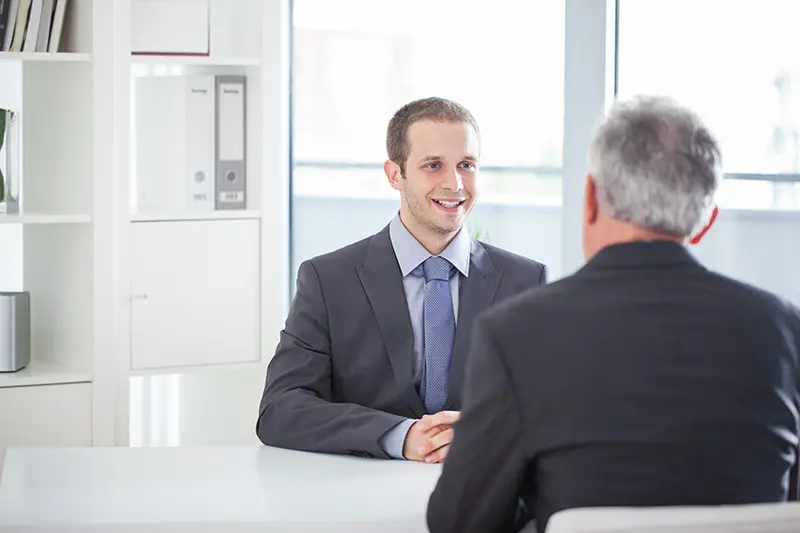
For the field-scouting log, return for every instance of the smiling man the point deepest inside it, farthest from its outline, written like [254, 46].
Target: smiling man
[371, 359]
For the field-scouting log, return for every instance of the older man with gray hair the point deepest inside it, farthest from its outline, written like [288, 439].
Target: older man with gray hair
[644, 379]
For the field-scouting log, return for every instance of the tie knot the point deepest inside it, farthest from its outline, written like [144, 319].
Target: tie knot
[437, 268]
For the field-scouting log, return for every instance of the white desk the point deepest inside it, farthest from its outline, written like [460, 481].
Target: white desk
[230, 489]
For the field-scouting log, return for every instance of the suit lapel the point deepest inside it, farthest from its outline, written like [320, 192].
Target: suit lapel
[383, 283]
[476, 294]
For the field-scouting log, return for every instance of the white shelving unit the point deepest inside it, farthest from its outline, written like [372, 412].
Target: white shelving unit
[60, 57]
[38, 373]
[212, 215]
[45, 219]
[87, 257]
[207, 61]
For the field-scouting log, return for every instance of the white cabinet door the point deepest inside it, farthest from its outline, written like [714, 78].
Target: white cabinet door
[45, 415]
[195, 293]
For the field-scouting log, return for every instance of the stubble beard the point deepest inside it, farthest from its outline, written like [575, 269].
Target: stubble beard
[417, 213]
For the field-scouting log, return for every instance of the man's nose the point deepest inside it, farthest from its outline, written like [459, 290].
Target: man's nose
[453, 181]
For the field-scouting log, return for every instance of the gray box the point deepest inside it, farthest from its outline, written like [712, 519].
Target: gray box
[15, 331]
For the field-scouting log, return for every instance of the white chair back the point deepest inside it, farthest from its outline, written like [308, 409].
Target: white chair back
[753, 518]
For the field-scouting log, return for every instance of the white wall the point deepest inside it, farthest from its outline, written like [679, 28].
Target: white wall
[759, 247]
[10, 257]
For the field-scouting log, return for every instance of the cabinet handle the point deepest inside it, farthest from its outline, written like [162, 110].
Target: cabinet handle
[139, 296]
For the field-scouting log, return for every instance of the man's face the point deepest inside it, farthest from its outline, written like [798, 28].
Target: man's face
[439, 189]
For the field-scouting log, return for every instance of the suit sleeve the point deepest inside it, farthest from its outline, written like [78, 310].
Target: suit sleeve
[481, 478]
[296, 409]
[794, 473]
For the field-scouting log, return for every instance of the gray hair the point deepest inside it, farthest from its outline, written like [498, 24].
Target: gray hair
[656, 166]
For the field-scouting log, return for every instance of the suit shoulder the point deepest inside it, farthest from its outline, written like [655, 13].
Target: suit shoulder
[539, 298]
[506, 259]
[757, 298]
[353, 254]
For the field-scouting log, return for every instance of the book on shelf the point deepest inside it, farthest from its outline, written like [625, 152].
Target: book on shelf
[31, 25]
[5, 7]
[190, 140]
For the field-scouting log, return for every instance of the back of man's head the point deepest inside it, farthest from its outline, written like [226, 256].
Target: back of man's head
[654, 166]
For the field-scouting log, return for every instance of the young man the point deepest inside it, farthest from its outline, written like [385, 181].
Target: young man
[643, 379]
[371, 359]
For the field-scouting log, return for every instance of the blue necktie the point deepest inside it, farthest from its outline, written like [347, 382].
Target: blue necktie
[440, 329]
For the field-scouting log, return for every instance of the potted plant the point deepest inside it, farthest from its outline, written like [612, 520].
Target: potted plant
[478, 233]
[6, 120]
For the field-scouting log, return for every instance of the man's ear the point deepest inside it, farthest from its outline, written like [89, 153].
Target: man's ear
[393, 174]
[590, 207]
[697, 238]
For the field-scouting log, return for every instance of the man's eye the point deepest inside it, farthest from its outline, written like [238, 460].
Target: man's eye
[467, 164]
[433, 165]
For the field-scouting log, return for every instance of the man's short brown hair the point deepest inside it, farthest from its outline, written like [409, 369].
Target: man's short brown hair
[433, 108]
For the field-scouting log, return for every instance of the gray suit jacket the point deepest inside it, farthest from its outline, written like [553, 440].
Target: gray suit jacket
[343, 371]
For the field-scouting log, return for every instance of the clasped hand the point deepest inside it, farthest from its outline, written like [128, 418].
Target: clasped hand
[428, 440]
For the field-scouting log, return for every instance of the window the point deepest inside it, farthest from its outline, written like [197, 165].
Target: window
[736, 64]
[355, 65]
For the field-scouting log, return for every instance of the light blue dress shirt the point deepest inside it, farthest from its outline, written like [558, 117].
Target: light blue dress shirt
[410, 256]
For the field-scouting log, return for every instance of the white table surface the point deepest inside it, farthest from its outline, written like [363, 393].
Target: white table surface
[210, 489]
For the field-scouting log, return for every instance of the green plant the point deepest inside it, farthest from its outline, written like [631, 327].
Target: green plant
[479, 234]
[6, 118]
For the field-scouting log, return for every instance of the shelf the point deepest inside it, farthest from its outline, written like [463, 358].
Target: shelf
[45, 219]
[198, 369]
[60, 57]
[166, 59]
[42, 374]
[198, 215]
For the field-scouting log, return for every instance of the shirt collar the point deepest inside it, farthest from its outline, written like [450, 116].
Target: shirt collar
[410, 253]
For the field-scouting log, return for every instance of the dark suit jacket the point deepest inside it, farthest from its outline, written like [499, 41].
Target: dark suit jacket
[343, 372]
[642, 380]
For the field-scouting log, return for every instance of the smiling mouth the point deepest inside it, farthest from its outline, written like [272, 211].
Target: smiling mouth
[450, 204]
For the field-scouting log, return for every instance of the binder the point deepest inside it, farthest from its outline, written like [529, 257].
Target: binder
[32, 31]
[48, 7]
[23, 9]
[175, 135]
[200, 151]
[56, 26]
[231, 140]
[5, 7]
[11, 7]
